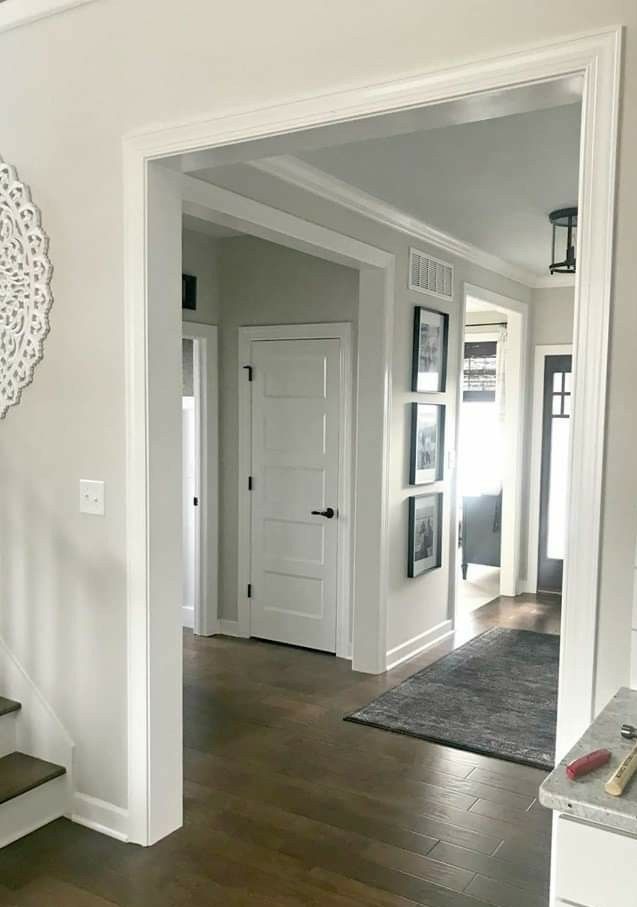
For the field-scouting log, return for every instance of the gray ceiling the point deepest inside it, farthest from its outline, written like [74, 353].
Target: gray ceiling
[490, 183]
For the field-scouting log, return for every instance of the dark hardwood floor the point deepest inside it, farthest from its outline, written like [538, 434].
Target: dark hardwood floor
[287, 804]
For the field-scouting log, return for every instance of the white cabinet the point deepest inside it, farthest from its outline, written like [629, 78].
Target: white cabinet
[595, 866]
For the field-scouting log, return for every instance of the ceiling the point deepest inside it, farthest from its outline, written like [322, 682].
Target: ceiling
[197, 225]
[490, 183]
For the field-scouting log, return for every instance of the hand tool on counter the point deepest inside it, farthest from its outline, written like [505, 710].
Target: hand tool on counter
[587, 763]
[617, 782]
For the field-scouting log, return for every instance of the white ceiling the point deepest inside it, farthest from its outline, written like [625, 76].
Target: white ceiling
[490, 183]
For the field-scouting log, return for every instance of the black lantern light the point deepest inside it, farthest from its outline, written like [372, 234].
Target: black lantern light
[564, 222]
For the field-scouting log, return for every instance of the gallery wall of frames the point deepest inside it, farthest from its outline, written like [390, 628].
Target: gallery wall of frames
[427, 457]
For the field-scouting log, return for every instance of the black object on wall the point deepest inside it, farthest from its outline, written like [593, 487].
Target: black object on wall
[189, 292]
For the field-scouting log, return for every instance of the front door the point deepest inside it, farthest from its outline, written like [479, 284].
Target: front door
[296, 391]
[554, 476]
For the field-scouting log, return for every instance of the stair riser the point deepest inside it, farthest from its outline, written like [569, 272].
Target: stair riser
[38, 807]
[8, 733]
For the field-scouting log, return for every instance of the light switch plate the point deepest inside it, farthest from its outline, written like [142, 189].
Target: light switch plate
[92, 497]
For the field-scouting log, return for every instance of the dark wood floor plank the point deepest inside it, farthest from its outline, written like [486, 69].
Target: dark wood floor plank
[287, 805]
[518, 873]
[499, 894]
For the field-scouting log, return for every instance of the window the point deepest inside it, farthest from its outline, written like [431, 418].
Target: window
[481, 445]
[479, 374]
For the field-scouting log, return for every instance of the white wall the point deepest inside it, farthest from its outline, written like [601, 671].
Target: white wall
[73, 85]
[264, 283]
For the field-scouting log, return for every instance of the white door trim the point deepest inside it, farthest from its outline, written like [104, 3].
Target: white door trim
[541, 352]
[154, 709]
[206, 379]
[343, 332]
[517, 313]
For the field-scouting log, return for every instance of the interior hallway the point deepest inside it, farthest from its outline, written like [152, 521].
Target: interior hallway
[287, 804]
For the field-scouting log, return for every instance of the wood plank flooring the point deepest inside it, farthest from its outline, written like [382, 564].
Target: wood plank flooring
[287, 804]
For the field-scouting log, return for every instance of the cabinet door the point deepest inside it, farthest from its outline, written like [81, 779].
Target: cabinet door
[596, 867]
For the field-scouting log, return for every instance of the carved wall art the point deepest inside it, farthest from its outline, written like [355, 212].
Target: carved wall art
[25, 287]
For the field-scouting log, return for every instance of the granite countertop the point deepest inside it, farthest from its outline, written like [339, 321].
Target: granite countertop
[586, 797]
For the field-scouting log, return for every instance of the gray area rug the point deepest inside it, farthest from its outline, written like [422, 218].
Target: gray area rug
[496, 695]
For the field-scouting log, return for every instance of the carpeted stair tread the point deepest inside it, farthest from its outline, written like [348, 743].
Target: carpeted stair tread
[8, 705]
[20, 773]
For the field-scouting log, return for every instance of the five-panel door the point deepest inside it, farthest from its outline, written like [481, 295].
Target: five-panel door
[296, 392]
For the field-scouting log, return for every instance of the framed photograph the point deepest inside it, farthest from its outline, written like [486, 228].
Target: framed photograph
[189, 292]
[427, 443]
[425, 534]
[429, 364]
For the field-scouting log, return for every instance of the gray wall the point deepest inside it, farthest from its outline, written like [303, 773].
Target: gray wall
[263, 283]
[551, 321]
[64, 589]
[552, 315]
[417, 606]
[199, 257]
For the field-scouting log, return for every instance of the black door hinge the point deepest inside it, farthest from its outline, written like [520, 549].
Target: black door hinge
[195, 502]
[249, 590]
[249, 483]
[250, 371]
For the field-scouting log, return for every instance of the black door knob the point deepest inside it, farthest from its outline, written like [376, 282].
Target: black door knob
[328, 513]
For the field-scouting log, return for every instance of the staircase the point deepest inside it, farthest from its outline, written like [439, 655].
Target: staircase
[32, 791]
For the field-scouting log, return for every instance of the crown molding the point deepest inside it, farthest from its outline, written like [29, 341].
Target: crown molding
[295, 171]
[14, 13]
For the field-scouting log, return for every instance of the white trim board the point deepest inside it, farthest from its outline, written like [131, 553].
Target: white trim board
[99, 815]
[312, 179]
[419, 644]
[150, 203]
[541, 352]
[343, 333]
[206, 379]
[14, 13]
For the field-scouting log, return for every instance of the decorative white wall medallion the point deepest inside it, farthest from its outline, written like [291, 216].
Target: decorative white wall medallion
[25, 287]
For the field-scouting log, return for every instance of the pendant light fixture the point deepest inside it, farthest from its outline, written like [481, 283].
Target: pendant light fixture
[564, 249]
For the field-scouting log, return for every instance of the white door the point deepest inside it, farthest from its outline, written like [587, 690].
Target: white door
[296, 393]
[188, 494]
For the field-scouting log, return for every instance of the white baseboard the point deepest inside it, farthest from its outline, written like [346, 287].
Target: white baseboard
[418, 644]
[101, 816]
[229, 628]
[527, 587]
[188, 617]
[32, 810]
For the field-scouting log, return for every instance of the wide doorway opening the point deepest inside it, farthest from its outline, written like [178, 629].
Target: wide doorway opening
[340, 200]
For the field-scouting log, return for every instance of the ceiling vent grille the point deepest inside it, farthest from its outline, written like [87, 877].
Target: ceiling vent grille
[429, 275]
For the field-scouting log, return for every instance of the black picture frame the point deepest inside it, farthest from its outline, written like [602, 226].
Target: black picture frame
[424, 380]
[189, 292]
[425, 541]
[424, 416]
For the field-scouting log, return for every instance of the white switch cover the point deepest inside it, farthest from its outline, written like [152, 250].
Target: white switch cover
[92, 497]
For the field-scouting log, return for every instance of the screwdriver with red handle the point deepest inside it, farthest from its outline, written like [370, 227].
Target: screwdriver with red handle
[587, 763]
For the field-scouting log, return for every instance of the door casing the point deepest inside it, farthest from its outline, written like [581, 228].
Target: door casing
[541, 352]
[152, 218]
[330, 331]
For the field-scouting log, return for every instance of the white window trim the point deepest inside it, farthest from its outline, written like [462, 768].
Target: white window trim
[14, 13]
